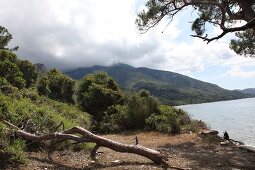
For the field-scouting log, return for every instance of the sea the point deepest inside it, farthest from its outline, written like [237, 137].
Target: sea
[237, 117]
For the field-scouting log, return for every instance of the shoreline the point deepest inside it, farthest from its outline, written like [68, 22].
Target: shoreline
[236, 142]
[234, 116]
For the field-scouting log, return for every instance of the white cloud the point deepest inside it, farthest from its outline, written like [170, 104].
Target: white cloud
[67, 34]
[239, 72]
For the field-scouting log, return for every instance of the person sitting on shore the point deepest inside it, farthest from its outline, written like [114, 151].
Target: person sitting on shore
[226, 136]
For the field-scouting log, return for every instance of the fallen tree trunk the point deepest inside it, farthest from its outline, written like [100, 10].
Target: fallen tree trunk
[87, 136]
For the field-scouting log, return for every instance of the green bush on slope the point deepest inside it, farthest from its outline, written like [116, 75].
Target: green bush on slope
[17, 72]
[35, 114]
[57, 86]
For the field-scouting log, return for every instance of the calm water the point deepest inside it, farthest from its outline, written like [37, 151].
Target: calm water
[237, 117]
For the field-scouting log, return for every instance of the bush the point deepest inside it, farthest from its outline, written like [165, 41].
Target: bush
[35, 114]
[17, 72]
[166, 121]
[96, 92]
[11, 150]
[57, 86]
[140, 107]
[115, 120]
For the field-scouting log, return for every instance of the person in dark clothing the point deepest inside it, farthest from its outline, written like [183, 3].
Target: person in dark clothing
[226, 136]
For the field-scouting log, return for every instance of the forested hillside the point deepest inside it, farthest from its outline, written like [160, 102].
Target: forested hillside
[250, 91]
[169, 87]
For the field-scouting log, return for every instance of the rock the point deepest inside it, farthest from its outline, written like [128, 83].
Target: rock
[209, 132]
[224, 143]
[199, 138]
[116, 161]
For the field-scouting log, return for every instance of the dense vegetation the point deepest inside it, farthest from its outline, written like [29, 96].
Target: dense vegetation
[38, 102]
[56, 86]
[170, 88]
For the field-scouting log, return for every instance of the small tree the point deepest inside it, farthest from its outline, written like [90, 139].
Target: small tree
[5, 38]
[167, 121]
[9, 69]
[19, 73]
[29, 72]
[57, 86]
[140, 107]
[96, 92]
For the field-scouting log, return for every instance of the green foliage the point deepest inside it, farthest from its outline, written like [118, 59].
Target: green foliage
[5, 38]
[11, 73]
[222, 14]
[167, 121]
[39, 114]
[57, 86]
[17, 72]
[173, 120]
[3, 82]
[17, 148]
[29, 72]
[194, 126]
[43, 86]
[35, 114]
[112, 109]
[140, 107]
[11, 150]
[245, 44]
[115, 120]
[96, 92]
[198, 26]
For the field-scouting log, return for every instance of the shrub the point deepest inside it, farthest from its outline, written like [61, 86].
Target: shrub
[115, 120]
[35, 114]
[29, 72]
[11, 150]
[57, 86]
[17, 148]
[17, 72]
[140, 107]
[167, 121]
[96, 92]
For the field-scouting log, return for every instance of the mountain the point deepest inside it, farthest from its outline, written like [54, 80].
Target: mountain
[250, 91]
[171, 88]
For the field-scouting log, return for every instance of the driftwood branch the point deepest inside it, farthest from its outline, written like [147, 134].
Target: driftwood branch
[100, 141]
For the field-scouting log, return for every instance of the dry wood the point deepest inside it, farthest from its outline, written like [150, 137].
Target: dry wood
[87, 136]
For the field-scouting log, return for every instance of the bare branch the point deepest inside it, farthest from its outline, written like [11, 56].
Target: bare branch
[226, 12]
[227, 30]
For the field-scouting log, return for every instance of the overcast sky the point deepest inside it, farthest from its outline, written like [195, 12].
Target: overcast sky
[68, 34]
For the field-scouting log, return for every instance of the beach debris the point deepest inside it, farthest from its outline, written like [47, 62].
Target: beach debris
[115, 161]
[209, 132]
[224, 143]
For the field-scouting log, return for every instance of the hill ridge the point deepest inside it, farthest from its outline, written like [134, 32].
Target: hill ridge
[170, 87]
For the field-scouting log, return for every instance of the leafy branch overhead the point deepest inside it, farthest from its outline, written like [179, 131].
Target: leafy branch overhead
[5, 38]
[225, 14]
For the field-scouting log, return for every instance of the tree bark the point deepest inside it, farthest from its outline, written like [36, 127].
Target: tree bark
[100, 141]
